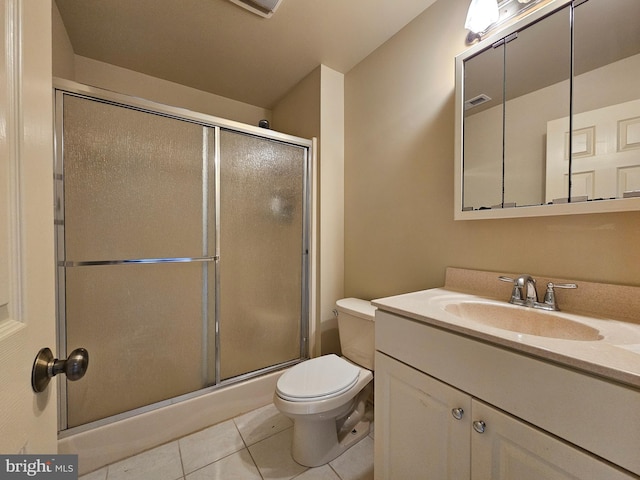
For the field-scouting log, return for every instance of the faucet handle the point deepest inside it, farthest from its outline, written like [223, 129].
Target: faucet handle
[562, 285]
[516, 293]
[550, 295]
[521, 281]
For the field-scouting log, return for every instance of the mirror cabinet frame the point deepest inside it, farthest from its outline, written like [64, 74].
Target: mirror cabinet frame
[570, 208]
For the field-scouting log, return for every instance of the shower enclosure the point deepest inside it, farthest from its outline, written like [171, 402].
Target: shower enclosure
[182, 250]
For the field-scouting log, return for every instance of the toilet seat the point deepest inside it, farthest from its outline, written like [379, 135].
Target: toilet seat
[319, 378]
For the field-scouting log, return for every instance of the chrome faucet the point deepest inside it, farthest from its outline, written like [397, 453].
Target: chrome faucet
[524, 292]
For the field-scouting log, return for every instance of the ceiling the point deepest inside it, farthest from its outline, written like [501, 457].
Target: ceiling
[219, 47]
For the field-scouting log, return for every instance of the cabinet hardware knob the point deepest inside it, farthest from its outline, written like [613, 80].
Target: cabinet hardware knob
[479, 426]
[457, 413]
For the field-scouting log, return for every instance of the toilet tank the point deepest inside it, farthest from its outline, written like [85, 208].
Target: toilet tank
[357, 332]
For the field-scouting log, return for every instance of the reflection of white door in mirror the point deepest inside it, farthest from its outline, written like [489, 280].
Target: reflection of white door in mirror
[606, 154]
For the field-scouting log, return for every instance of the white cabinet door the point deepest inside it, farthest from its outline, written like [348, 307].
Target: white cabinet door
[513, 450]
[417, 437]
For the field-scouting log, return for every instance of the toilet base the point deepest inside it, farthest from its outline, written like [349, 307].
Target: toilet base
[323, 448]
[318, 441]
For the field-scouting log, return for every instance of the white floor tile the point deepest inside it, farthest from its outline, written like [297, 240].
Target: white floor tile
[209, 445]
[97, 475]
[325, 472]
[219, 452]
[357, 462]
[237, 466]
[261, 423]
[161, 463]
[273, 457]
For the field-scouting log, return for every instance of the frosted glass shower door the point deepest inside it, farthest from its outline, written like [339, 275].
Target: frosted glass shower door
[134, 238]
[262, 252]
[182, 249]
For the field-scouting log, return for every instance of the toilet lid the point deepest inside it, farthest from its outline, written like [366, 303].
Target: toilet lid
[321, 377]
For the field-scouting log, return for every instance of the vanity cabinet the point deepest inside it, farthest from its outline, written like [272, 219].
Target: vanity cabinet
[434, 387]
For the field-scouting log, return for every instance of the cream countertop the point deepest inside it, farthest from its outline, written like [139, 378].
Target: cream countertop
[616, 356]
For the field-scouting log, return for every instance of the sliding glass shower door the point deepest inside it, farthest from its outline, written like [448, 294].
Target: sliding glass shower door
[261, 228]
[182, 254]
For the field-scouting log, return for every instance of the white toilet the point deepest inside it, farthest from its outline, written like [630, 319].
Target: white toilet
[326, 397]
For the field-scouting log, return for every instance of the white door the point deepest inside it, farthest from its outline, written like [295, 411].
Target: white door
[27, 282]
[605, 164]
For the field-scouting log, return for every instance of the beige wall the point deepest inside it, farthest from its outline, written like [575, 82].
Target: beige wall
[121, 80]
[399, 229]
[63, 58]
[298, 113]
[84, 70]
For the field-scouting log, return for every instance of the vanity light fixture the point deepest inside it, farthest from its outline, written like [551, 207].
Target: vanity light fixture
[264, 8]
[486, 16]
[481, 14]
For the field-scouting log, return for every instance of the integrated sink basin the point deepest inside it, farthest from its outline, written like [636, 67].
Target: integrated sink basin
[523, 320]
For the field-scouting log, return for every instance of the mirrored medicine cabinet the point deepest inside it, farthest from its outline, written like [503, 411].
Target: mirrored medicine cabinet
[548, 114]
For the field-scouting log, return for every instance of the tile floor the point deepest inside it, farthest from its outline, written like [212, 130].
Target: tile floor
[256, 445]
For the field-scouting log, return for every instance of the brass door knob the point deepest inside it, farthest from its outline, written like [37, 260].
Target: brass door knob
[45, 367]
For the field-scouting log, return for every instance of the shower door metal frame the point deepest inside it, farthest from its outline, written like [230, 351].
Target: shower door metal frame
[210, 124]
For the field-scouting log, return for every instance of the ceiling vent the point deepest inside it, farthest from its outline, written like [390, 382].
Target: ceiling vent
[264, 8]
[475, 101]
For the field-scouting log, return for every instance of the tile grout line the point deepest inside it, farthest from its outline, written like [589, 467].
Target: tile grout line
[246, 447]
[334, 470]
[184, 473]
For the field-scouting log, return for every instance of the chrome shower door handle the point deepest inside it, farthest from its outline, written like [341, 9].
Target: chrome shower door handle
[45, 367]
